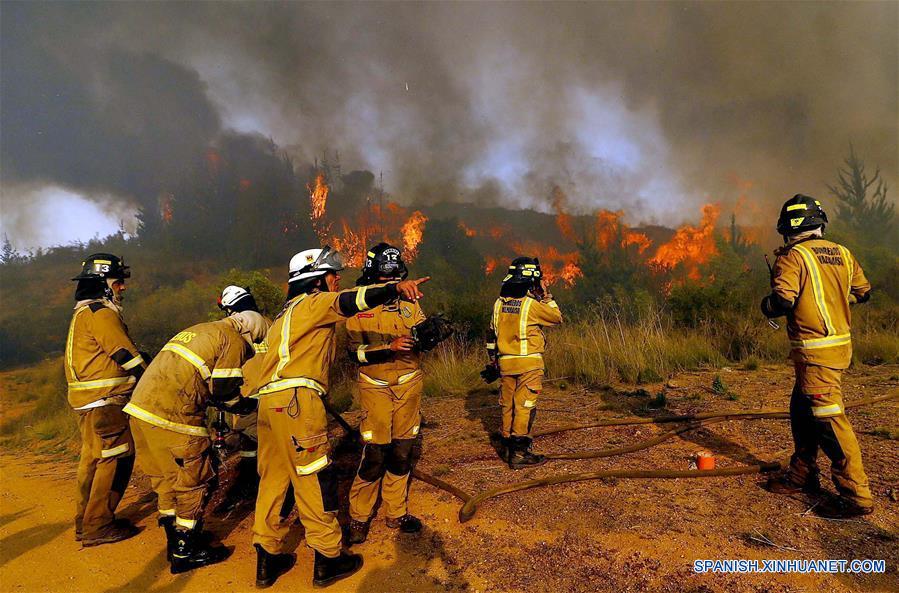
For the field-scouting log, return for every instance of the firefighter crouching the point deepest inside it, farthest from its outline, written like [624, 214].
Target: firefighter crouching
[236, 299]
[102, 366]
[390, 387]
[293, 428]
[813, 283]
[515, 344]
[199, 366]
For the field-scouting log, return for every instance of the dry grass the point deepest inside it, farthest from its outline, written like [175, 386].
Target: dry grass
[597, 349]
[35, 409]
[604, 349]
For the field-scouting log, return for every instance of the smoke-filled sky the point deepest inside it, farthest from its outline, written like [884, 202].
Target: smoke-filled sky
[651, 108]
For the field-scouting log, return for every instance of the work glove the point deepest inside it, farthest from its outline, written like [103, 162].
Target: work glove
[490, 373]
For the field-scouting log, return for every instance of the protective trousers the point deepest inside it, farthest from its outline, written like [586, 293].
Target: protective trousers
[245, 427]
[817, 419]
[180, 468]
[107, 458]
[294, 450]
[518, 397]
[390, 430]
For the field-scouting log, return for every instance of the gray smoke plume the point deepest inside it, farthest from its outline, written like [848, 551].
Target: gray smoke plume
[651, 108]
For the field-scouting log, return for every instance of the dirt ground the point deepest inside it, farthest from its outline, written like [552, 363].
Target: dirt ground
[609, 535]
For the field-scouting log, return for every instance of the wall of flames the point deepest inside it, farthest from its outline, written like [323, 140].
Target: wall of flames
[686, 251]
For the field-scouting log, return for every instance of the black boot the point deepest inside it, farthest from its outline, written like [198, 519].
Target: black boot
[783, 484]
[191, 551]
[329, 570]
[167, 522]
[357, 531]
[842, 508]
[407, 523]
[520, 454]
[270, 566]
[505, 448]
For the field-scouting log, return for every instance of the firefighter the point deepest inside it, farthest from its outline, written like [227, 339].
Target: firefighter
[390, 386]
[813, 283]
[102, 367]
[515, 345]
[199, 366]
[236, 299]
[293, 429]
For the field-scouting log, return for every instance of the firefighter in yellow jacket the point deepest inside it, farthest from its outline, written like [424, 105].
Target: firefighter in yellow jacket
[236, 299]
[390, 386]
[199, 366]
[102, 366]
[813, 283]
[515, 344]
[292, 426]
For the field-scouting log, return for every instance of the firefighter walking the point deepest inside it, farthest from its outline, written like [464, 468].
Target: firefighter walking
[102, 366]
[813, 283]
[390, 386]
[199, 366]
[292, 425]
[515, 344]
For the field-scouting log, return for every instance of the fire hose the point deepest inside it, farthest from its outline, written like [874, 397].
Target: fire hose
[695, 421]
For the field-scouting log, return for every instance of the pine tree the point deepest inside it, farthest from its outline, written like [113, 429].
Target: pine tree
[8, 253]
[870, 215]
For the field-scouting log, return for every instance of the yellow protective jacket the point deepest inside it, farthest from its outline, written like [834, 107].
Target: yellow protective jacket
[819, 279]
[370, 335]
[202, 362]
[101, 360]
[252, 369]
[516, 332]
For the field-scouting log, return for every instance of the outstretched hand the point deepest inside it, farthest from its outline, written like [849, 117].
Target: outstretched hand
[408, 289]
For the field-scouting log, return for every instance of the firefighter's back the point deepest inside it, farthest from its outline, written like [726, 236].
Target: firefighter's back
[824, 276]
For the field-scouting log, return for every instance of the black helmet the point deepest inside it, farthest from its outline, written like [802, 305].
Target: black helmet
[800, 213]
[101, 266]
[382, 261]
[524, 270]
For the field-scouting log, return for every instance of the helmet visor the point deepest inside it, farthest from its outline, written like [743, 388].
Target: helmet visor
[329, 259]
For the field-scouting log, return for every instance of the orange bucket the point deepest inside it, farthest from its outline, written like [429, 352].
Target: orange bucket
[705, 460]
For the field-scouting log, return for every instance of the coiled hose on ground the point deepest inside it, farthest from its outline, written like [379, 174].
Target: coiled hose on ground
[694, 421]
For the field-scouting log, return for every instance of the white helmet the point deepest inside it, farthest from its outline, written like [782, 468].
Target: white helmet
[311, 263]
[231, 295]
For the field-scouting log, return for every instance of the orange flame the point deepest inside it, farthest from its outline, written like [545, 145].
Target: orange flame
[556, 265]
[610, 230]
[370, 223]
[489, 265]
[413, 232]
[318, 194]
[351, 245]
[166, 206]
[691, 246]
[469, 232]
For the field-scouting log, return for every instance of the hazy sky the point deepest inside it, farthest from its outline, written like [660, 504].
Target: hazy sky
[652, 108]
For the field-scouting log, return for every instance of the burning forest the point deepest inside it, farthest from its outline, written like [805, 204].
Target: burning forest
[373, 222]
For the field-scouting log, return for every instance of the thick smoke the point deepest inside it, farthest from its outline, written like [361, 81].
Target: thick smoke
[653, 108]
